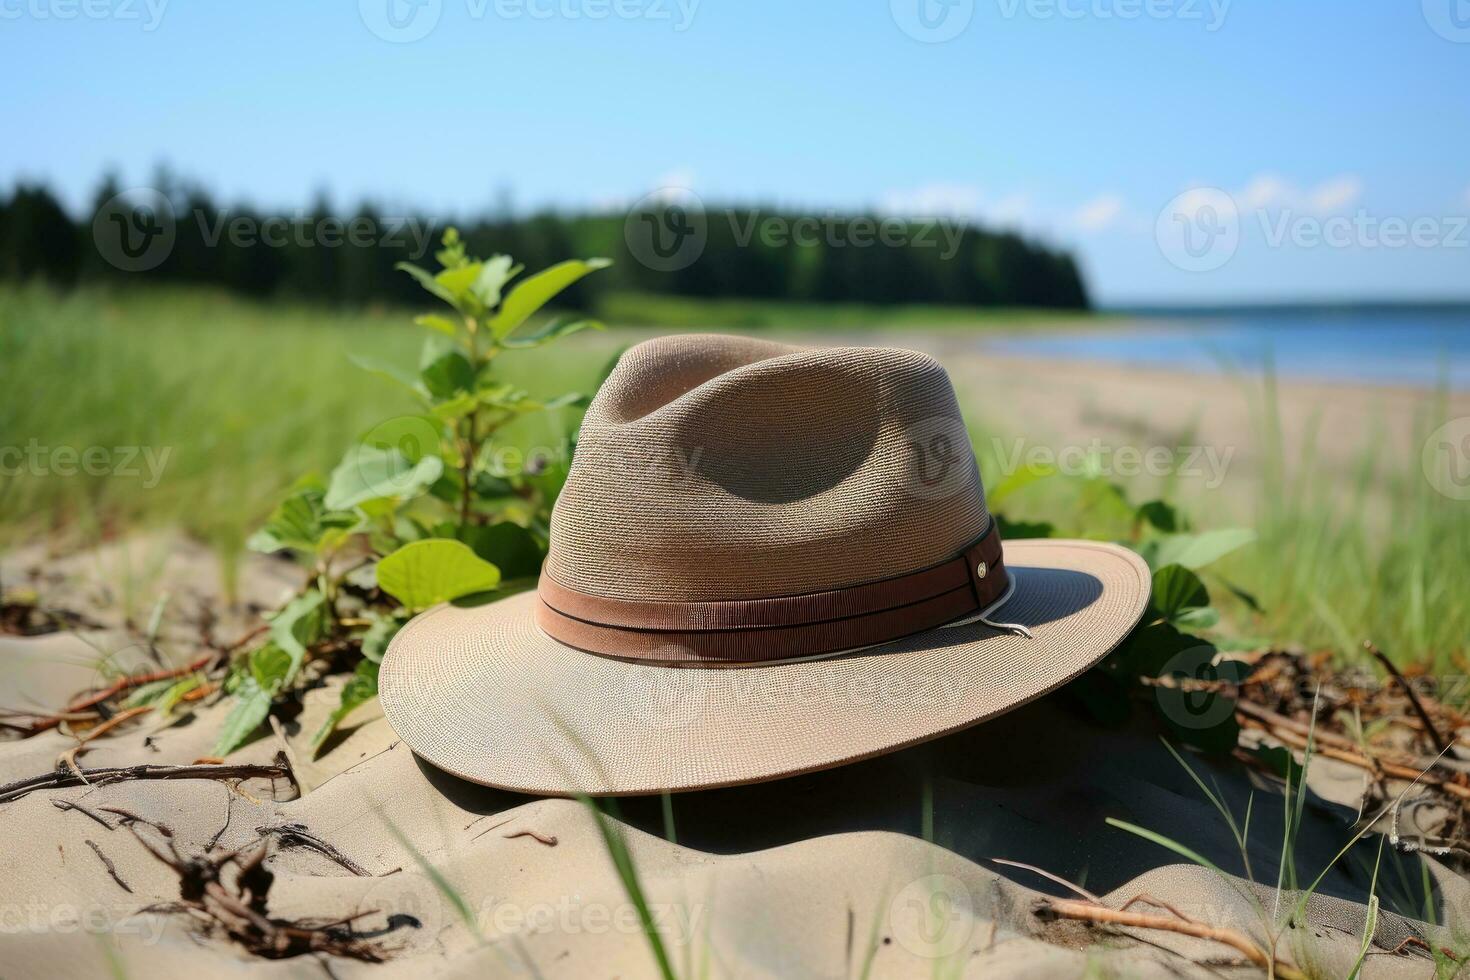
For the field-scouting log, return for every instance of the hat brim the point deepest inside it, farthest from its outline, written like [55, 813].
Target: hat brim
[480, 692]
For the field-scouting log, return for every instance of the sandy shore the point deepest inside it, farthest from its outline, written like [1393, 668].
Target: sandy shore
[1219, 430]
[820, 876]
[826, 875]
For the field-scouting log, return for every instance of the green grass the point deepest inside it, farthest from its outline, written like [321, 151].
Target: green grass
[245, 397]
[686, 313]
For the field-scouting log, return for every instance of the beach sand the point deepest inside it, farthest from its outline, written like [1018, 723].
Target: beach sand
[825, 875]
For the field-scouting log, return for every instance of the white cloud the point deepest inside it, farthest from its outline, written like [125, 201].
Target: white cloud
[1263, 191]
[1267, 191]
[1098, 213]
[1336, 194]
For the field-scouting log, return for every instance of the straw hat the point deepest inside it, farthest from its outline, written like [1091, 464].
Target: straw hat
[766, 560]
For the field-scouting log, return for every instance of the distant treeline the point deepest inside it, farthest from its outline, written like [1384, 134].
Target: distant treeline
[317, 253]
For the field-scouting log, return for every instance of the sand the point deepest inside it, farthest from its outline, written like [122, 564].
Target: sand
[827, 875]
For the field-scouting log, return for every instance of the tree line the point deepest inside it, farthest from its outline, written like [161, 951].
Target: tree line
[178, 233]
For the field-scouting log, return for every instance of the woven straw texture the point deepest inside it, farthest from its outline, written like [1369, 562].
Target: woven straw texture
[712, 467]
[721, 468]
[482, 693]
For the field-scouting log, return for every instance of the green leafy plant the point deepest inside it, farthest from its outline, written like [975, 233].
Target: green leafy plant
[415, 514]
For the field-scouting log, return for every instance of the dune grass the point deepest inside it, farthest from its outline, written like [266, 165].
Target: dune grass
[244, 397]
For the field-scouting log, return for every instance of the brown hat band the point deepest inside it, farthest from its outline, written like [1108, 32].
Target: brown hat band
[747, 631]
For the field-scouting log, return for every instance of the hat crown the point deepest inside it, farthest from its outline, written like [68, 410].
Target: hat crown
[717, 468]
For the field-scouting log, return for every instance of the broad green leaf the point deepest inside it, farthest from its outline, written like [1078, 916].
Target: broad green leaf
[299, 624]
[1160, 515]
[459, 279]
[456, 408]
[447, 374]
[427, 280]
[1148, 649]
[251, 706]
[552, 330]
[371, 473]
[1021, 478]
[1195, 550]
[498, 270]
[426, 573]
[415, 436]
[271, 668]
[1177, 589]
[375, 641]
[1013, 531]
[389, 369]
[433, 321]
[302, 523]
[360, 688]
[536, 291]
[1196, 619]
[508, 546]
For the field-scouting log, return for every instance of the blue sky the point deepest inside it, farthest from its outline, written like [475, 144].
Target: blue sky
[1077, 121]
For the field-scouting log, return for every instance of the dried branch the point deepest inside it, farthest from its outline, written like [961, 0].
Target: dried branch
[114, 774]
[1243, 944]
